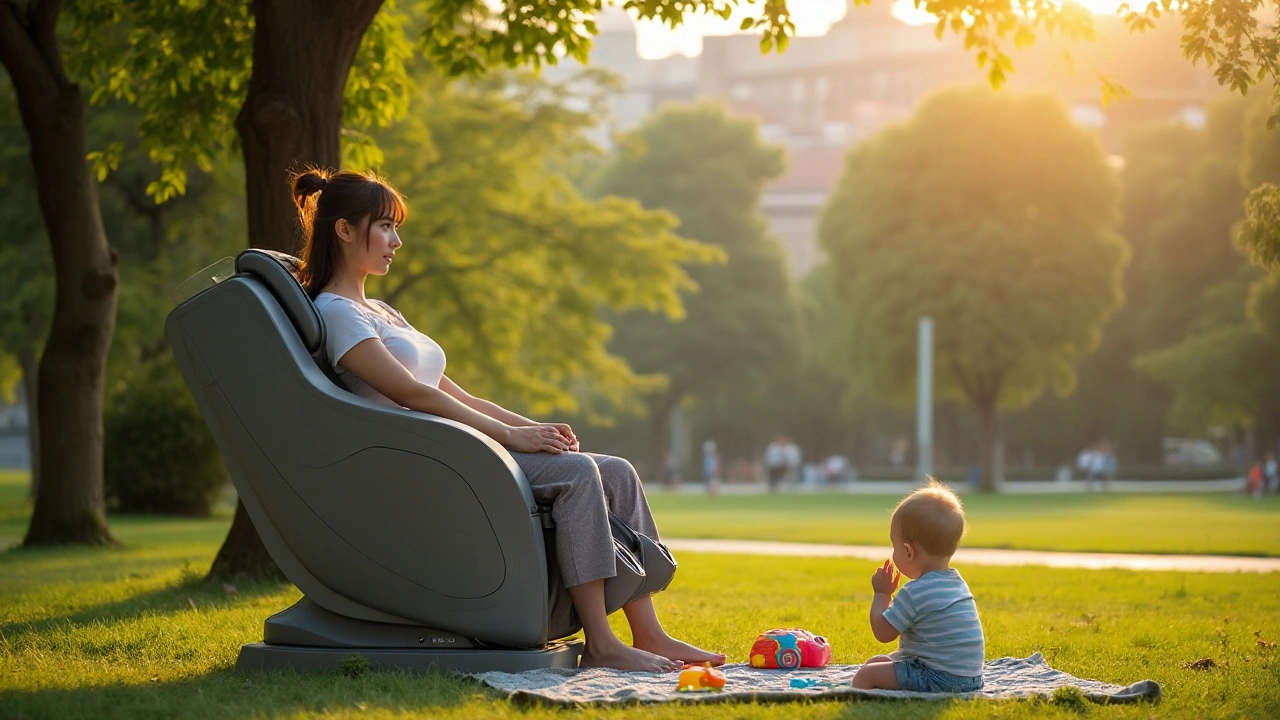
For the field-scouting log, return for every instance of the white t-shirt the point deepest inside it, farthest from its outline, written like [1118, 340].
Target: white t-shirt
[347, 322]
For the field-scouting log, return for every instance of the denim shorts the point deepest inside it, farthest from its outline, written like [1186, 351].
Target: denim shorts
[916, 676]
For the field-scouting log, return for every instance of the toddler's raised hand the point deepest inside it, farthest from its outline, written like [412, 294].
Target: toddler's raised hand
[886, 578]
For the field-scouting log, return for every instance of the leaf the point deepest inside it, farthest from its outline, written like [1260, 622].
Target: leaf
[747, 24]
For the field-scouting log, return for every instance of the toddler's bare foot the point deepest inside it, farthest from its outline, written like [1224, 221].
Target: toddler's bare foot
[620, 657]
[669, 647]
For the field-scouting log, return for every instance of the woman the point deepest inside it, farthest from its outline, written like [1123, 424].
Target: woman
[350, 220]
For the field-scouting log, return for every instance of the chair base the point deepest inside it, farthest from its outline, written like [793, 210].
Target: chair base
[260, 657]
[307, 638]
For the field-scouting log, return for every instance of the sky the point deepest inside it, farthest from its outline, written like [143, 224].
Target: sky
[811, 17]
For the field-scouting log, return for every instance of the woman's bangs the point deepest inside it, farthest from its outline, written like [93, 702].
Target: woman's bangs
[391, 205]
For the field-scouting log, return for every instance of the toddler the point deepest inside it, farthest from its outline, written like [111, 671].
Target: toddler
[940, 647]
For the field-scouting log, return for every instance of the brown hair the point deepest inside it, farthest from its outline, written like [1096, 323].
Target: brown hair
[931, 518]
[323, 197]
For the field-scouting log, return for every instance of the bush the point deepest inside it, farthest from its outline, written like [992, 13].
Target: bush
[159, 455]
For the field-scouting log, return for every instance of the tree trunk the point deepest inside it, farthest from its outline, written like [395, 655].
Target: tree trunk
[30, 388]
[660, 428]
[987, 442]
[69, 505]
[292, 117]
[243, 554]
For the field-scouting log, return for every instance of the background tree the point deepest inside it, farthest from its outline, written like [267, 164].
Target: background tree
[738, 337]
[1180, 195]
[1018, 266]
[504, 262]
[1221, 372]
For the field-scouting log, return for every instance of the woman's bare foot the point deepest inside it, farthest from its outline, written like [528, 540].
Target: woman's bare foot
[618, 656]
[667, 646]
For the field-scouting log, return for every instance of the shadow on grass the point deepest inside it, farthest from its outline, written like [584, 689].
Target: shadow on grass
[192, 591]
[229, 694]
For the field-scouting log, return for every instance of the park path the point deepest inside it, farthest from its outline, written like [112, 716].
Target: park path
[978, 556]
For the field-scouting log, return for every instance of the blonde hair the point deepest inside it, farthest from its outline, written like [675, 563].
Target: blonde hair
[931, 518]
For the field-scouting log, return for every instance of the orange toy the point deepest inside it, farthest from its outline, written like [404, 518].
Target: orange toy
[700, 678]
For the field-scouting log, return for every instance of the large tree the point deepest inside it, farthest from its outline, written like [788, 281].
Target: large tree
[995, 215]
[69, 504]
[709, 170]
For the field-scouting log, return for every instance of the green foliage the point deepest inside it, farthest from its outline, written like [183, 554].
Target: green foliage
[1222, 372]
[739, 336]
[354, 665]
[1220, 366]
[505, 263]
[159, 456]
[1019, 267]
[1259, 233]
[186, 65]
[470, 37]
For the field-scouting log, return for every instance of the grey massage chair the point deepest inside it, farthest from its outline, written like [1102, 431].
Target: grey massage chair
[414, 539]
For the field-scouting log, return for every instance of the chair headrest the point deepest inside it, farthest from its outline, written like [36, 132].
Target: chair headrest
[276, 270]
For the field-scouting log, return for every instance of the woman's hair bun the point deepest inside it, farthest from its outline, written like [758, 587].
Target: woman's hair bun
[308, 183]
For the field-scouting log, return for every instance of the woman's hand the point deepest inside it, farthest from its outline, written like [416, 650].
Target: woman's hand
[538, 438]
[567, 433]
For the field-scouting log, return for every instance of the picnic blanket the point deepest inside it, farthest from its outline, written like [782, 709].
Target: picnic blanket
[1006, 678]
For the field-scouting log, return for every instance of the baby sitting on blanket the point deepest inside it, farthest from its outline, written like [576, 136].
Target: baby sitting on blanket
[941, 646]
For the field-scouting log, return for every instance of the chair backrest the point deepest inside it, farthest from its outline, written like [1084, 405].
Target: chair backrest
[374, 512]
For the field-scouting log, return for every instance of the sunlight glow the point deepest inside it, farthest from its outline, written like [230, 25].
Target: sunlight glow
[811, 17]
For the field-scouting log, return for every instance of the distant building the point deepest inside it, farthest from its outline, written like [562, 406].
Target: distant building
[827, 93]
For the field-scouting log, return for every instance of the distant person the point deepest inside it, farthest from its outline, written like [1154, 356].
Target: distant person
[794, 460]
[775, 461]
[673, 470]
[1084, 462]
[1109, 466]
[1255, 481]
[898, 452]
[711, 466]
[1271, 473]
[834, 469]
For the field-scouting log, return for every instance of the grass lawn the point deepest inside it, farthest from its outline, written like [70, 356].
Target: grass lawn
[1197, 524]
[132, 632]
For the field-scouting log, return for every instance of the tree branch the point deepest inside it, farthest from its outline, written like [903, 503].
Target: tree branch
[42, 27]
[19, 52]
[965, 382]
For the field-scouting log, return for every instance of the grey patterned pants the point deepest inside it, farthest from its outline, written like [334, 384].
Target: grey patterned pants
[581, 488]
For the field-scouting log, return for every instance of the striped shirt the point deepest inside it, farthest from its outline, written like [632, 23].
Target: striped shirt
[939, 623]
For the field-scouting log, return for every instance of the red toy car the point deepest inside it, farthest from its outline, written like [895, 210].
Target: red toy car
[790, 648]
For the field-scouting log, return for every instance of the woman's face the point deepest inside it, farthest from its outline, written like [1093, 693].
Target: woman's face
[372, 257]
